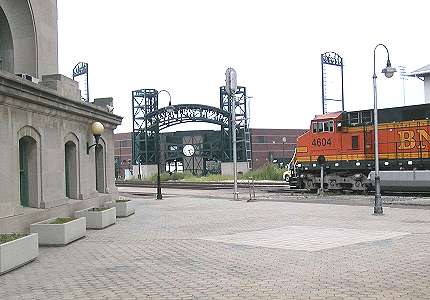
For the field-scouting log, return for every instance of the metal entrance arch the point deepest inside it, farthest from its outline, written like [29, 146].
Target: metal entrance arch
[185, 113]
[148, 121]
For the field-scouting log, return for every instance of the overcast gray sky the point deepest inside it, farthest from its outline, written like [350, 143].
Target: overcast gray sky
[185, 47]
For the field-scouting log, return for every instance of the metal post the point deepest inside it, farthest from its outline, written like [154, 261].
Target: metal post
[120, 159]
[139, 176]
[88, 86]
[233, 127]
[283, 152]
[322, 85]
[157, 153]
[389, 72]
[343, 97]
[322, 181]
[377, 210]
[378, 200]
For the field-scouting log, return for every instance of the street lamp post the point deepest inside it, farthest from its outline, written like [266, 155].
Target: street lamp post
[388, 71]
[158, 151]
[284, 140]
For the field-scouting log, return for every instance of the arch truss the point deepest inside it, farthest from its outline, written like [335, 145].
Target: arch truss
[149, 120]
[184, 113]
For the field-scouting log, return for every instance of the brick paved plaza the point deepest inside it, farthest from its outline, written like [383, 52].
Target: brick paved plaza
[204, 246]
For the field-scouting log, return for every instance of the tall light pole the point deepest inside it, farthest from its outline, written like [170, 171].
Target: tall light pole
[158, 151]
[284, 140]
[231, 88]
[388, 71]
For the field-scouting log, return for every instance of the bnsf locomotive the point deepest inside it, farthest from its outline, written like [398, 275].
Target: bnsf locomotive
[345, 140]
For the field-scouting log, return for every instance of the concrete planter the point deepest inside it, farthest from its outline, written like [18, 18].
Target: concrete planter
[98, 219]
[59, 234]
[123, 209]
[17, 253]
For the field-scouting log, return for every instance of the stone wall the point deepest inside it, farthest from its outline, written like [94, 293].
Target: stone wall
[49, 120]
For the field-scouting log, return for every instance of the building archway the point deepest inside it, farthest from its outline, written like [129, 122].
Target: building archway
[72, 166]
[71, 170]
[100, 158]
[6, 44]
[28, 171]
[21, 21]
[29, 167]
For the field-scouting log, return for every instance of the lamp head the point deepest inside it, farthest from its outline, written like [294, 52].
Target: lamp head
[97, 128]
[170, 109]
[389, 70]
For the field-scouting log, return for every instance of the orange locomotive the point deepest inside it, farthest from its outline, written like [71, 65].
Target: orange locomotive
[346, 140]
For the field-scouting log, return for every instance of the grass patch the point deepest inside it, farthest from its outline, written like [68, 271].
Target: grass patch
[62, 220]
[99, 209]
[175, 176]
[9, 237]
[209, 178]
[268, 172]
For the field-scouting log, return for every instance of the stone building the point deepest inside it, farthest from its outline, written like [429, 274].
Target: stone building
[45, 128]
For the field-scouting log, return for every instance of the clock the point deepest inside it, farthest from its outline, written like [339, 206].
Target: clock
[188, 150]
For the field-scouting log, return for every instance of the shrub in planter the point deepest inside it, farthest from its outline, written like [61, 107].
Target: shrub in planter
[17, 250]
[123, 207]
[59, 231]
[98, 218]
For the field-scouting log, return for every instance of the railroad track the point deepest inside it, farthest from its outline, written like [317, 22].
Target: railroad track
[203, 185]
[269, 187]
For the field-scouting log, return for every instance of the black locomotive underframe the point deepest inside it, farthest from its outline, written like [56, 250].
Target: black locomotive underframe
[350, 167]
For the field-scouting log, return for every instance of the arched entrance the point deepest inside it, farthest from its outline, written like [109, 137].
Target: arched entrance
[21, 23]
[71, 170]
[28, 174]
[6, 44]
[149, 120]
[100, 168]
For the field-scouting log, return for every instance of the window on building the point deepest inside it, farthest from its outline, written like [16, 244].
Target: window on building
[355, 142]
[260, 139]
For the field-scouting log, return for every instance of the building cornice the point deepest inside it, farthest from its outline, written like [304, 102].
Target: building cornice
[16, 87]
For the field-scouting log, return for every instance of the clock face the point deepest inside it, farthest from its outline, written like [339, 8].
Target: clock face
[188, 150]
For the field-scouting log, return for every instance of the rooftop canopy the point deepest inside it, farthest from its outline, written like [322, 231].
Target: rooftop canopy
[421, 72]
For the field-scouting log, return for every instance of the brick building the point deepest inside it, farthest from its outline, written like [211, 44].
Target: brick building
[270, 145]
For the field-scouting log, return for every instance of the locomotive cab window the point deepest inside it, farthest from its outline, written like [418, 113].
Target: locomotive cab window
[330, 126]
[314, 127]
[327, 126]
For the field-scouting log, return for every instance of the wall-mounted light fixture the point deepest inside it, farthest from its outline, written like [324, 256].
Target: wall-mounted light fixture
[97, 129]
